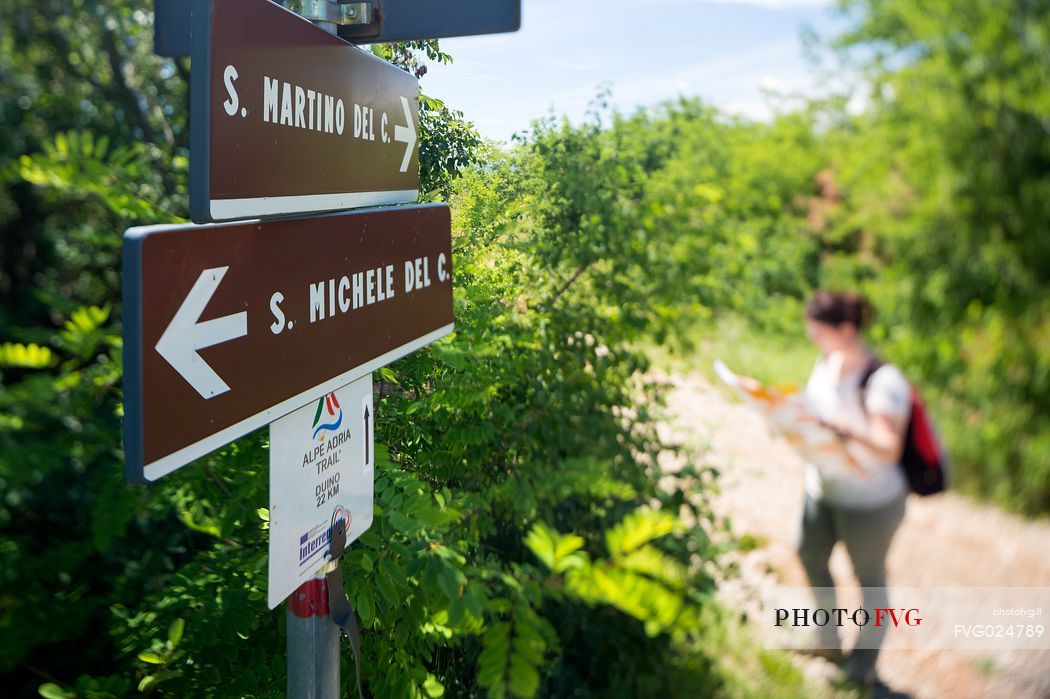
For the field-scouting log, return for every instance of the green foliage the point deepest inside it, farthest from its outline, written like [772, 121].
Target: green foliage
[946, 183]
[447, 143]
[932, 202]
[75, 163]
[638, 579]
[512, 654]
[771, 357]
[164, 657]
[31, 356]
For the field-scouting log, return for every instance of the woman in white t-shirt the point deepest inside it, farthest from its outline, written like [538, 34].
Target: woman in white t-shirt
[860, 504]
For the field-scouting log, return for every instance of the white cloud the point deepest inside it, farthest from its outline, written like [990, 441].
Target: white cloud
[738, 55]
[755, 83]
[723, 78]
[751, 108]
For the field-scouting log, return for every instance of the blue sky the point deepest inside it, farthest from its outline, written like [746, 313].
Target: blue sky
[726, 51]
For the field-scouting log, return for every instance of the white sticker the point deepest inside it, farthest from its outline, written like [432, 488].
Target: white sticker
[318, 475]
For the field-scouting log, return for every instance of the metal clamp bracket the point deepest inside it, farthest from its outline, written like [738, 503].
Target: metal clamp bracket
[338, 13]
[172, 20]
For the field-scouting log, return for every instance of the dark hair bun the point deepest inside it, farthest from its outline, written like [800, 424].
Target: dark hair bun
[838, 307]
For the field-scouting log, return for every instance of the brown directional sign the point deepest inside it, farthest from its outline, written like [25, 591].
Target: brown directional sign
[286, 118]
[230, 326]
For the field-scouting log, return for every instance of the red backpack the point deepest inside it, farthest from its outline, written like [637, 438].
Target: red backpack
[924, 461]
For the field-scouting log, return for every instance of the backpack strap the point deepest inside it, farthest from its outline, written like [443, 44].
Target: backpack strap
[874, 364]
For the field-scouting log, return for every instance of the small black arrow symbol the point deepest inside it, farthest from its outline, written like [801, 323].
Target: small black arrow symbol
[368, 458]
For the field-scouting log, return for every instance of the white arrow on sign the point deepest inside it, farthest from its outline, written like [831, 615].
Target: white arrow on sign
[184, 335]
[406, 134]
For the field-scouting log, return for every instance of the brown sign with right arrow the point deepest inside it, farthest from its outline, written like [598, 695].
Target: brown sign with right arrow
[228, 327]
[286, 118]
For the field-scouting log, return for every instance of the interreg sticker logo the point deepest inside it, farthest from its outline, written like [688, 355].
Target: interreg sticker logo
[329, 415]
[315, 542]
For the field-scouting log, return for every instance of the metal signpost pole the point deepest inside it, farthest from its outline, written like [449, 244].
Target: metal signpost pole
[313, 643]
[312, 638]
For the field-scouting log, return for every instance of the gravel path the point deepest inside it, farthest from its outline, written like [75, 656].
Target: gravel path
[964, 544]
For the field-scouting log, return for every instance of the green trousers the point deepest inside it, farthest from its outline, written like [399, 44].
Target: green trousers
[867, 535]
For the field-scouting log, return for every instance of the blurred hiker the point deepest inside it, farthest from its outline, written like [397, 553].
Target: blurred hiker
[861, 506]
